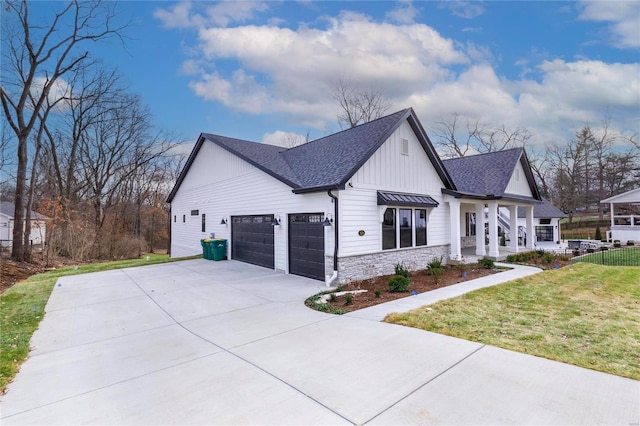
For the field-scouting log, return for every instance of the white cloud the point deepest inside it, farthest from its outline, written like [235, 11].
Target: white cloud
[404, 13]
[464, 9]
[284, 139]
[623, 18]
[183, 14]
[271, 70]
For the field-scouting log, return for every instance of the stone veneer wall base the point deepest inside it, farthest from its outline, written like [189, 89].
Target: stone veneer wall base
[366, 266]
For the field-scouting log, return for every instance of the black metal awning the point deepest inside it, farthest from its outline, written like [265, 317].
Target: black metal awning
[402, 199]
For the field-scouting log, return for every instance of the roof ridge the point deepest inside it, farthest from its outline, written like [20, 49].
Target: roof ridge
[349, 129]
[502, 151]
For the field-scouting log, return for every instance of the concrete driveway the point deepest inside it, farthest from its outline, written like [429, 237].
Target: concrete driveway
[201, 342]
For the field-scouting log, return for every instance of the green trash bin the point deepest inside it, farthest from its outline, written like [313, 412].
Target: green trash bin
[207, 249]
[219, 249]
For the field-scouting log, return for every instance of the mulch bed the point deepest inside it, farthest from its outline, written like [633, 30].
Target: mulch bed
[421, 282]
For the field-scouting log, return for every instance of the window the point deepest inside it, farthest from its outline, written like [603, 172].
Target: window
[545, 221]
[204, 223]
[195, 212]
[410, 230]
[389, 229]
[184, 218]
[406, 228]
[470, 224]
[421, 227]
[175, 218]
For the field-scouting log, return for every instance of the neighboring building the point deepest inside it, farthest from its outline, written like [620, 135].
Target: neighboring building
[381, 188]
[624, 227]
[546, 221]
[7, 213]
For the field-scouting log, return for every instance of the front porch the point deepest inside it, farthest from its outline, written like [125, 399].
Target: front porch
[479, 229]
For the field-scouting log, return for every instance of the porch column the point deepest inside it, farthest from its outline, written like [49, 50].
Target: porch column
[531, 233]
[480, 244]
[611, 214]
[493, 229]
[454, 221]
[513, 225]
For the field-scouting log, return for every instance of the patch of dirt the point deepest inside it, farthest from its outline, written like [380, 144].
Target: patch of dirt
[12, 272]
[421, 282]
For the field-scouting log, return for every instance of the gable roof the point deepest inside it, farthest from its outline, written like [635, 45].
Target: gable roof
[325, 163]
[543, 210]
[8, 209]
[486, 176]
[632, 196]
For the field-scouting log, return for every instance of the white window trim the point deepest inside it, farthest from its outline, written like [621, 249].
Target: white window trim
[397, 227]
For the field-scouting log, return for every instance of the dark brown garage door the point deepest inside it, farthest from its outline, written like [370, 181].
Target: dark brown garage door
[306, 245]
[252, 239]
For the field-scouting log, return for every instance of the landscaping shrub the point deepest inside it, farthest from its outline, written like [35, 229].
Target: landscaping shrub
[348, 299]
[547, 257]
[598, 233]
[400, 269]
[486, 263]
[435, 267]
[630, 243]
[377, 292]
[399, 283]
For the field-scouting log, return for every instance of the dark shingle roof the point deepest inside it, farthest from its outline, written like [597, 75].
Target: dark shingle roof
[483, 174]
[324, 163]
[544, 210]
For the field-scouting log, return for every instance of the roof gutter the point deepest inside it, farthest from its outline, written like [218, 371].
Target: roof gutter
[330, 279]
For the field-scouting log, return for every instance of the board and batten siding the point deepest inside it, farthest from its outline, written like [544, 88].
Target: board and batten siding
[518, 183]
[220, 184]
[390, 170]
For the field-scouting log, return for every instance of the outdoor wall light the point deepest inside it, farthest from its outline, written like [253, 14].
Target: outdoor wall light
[276, 221]
[224, 220]
[328, 220]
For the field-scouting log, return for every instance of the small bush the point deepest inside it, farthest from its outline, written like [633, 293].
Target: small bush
[348, 299]
[630, 242]
[604, 248]
[598, 235]
[486, 263]
[590, 250]
[332, 297]
[616, 245]
[547, 257]
[399, 283]
[576, 252]
[400, 269]
[435, 267]
[377, 292]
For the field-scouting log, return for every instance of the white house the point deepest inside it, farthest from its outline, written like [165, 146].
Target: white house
[7, 213]
[380, 189]
[624, 227]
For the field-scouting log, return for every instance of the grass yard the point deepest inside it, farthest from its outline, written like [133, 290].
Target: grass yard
[22, 308]
[622, 257]
[587, 315]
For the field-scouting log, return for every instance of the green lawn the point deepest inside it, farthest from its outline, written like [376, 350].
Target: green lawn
[587, 315]
[622, 257]
[22, 309]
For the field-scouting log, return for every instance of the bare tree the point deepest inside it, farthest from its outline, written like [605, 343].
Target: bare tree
[476, 137]
[357, 106]
[36, 58]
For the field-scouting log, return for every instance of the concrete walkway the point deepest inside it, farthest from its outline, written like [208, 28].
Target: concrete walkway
[201, 342]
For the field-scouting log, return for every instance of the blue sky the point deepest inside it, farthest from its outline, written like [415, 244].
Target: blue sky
[261, 70]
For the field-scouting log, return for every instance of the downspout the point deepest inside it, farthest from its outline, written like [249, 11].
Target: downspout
[330, 279]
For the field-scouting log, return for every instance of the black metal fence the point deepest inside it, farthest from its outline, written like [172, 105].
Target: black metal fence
[623, 256]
